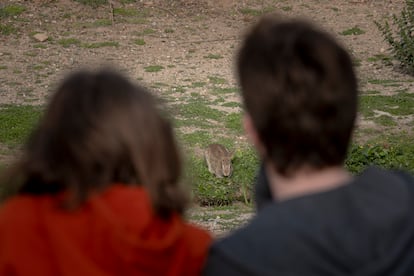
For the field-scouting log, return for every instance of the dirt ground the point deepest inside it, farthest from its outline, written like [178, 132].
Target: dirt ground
[191, 40]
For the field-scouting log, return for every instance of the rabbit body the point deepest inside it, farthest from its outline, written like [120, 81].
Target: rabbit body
[218, 160]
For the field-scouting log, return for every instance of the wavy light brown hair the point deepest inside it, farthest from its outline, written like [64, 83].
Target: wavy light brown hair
[100, 129]
[300, 89]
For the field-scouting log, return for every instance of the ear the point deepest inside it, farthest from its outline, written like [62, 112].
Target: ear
[252, 134]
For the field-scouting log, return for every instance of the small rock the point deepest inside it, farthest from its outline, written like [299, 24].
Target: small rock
[41, 37]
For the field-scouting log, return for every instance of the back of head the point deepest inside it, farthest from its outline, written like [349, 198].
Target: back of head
[300, 90]
[100, 129]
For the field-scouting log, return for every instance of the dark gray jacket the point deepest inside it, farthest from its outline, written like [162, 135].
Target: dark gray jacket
[364, 228]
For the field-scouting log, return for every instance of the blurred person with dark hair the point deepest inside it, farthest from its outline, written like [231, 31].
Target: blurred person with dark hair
[300, 95]
[99, 190]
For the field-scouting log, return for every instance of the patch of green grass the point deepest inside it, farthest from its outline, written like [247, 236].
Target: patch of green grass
[198, 84]
[385, 59]
[101, 23]
[7, 29]
[256, 12]
[231, 104]
[179, 89]
[11, 10]
[100, 44]
[3, 67]
[93, 3]
[353, 31]
[213, 56]
[384, 120]
[286, 8]
[199, 109]
[39, 46]
[225, 90]
[400, 104]
[217, 80]
[168, 31]
[385, 82]
[233, 121]
[197, 138]
[153, 68]
[139, 41]
[147, 31]
[16, 122]
[67, 42]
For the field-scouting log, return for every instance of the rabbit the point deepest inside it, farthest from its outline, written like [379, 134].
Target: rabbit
[218, 160]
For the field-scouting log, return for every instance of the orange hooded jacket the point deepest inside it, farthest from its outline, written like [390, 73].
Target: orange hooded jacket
[113, 233]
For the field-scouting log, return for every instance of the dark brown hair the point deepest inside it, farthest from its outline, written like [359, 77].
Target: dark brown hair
[300, 89]
[100, 129]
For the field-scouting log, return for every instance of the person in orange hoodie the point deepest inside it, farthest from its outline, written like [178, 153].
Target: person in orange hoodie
[97, 188]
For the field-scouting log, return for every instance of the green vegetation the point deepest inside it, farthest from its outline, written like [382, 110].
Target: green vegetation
[7, 29]
[217, 80]
[67, 42]
[100, 44]
[401, 104]
[11, 10]
[139, 41]
[93, 3]
[256, 12]
[213, 56]
[16, 122]
[353, 31]
[399, 35]
[153, 68]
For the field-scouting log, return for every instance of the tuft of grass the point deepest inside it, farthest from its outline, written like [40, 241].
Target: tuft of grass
[3, 67]
[93, 3]
[11, 10]
[384, 120]
[286, 8]
[168, 31]
[139, 41]
[256, 12]
[353, 31]
[148, 31]
[101, 23]
[198, 84]
[213, 56]
[153, 68]
[217, 80]
[7, 29]
[384, 82]
[67, 42]
[16, 122]
[100, 44]
[385, 59]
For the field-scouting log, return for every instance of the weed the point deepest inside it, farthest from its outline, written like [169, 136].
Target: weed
[198, 84]
[213, 56]
[153, 68]
[39, 46]
[93, 3]
[6, 29]
[353, 31]
[385, 59]
[400, 35]
[139, 41]
[256, 12]
[11, 10]
[100, 44]
[217, 80]
[384, 82]
[67, 42]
